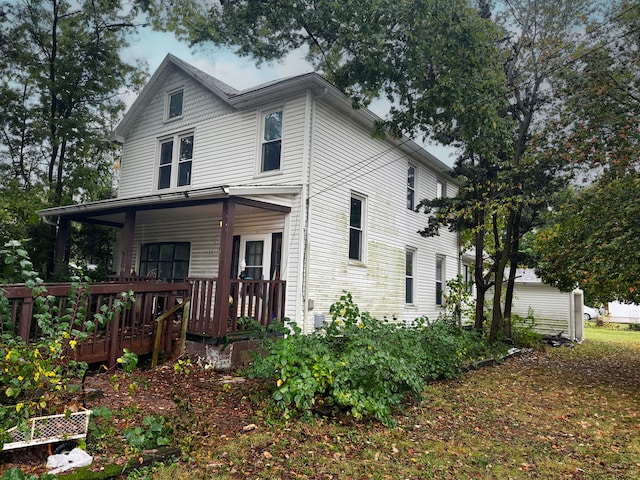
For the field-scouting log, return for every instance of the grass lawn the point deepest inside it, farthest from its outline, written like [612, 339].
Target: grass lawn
[561, 413]
[618, 333]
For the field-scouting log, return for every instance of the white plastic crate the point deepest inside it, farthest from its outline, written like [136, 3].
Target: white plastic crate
[49, 429]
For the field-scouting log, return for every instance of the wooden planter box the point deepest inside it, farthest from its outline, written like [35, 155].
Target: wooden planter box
[50, 429]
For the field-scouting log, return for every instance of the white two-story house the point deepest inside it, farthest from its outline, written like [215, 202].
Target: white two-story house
[280, 186]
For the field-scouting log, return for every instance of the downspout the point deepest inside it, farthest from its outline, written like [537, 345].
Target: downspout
[306, 255]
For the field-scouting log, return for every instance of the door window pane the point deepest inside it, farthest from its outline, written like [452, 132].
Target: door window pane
[254, 253]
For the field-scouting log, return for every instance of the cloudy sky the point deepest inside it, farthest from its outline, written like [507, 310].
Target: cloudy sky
[236, 71]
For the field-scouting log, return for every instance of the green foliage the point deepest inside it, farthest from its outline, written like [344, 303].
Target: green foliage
[592, 241]
[360, 364]
[458, 301]
[17, 474]
[62, 75]
[153, 433]
[522, 331]
[35, 375]
[128, 361]
[182, 366]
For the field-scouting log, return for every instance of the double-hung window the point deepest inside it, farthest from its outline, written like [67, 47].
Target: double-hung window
[439, 280]
[411, 187]
[176, 156]
[271, 142]
[441, 189]
[356, 228]
[410, 284]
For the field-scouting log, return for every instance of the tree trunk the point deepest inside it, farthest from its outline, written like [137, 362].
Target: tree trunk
[501, 263]
[478, 273]
[513, 266]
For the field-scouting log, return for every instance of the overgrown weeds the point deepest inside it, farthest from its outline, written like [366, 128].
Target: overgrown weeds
[362, 365]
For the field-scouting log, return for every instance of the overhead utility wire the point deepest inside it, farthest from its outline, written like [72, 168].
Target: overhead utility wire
[366, 161]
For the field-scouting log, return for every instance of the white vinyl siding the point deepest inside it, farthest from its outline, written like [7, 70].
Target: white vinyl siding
[225, 140]
[347, 160]
[552, 309]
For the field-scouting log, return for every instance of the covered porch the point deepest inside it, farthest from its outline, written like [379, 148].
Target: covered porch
[227, 249]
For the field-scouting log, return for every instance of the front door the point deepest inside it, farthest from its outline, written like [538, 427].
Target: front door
[255, 250]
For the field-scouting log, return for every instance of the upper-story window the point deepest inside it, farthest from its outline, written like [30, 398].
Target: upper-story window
[356, 228]
[176, 156]
[441, 189]
[174, 104]
[271, 147]
[411, 187]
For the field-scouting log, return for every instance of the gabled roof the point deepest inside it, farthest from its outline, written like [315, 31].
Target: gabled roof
[217, 87]
[272, 91]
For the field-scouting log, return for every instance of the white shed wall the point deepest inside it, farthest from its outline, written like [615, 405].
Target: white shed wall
[553, 310]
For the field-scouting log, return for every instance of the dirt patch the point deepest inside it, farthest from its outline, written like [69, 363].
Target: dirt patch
[206, 401]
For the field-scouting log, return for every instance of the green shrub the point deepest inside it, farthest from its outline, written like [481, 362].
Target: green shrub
[522, 330]
[34, 375]
[360, 364]
[153, 433]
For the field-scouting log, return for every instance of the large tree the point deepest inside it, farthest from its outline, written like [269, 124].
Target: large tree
[591, 241]
[62, 74]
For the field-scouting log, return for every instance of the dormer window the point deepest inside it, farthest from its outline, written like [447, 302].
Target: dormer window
[174, 104]
[271, 148]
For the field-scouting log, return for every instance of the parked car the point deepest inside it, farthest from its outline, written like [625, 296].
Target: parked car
[590, 313]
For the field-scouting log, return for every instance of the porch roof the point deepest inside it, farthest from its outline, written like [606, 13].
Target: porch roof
[111, 211]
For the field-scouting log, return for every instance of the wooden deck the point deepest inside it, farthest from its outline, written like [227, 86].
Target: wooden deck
[135, 328]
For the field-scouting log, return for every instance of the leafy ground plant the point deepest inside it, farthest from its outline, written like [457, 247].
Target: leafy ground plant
[559, 413]
[360, 364]
[35, 374]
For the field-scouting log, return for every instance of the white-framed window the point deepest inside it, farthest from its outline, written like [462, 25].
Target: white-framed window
[174, 164]
[466, 277]
[357, 231]
[411, 187]
[410, 275]
[440, 266]
[271, 140]
[174, 103]
[441, 189]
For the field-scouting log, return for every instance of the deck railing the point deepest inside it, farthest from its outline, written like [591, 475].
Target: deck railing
[131, 328]
[134, 328]
[260, 300]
